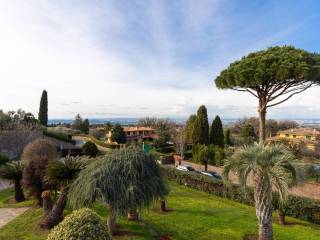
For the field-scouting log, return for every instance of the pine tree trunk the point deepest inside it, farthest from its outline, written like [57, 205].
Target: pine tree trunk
[263, 204]
[281, 217]
[18, 192]
[112, 221]
[262, 121]
[55, 216]
[163, 205]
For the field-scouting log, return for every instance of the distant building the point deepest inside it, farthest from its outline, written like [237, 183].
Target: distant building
[140, 133]
[310, 137]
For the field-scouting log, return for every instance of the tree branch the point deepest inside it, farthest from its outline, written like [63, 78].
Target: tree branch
[298, 90]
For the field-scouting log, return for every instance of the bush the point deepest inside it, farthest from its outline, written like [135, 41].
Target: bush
[90, 149]
[59, 135]
[83, 224]
[3, 159]
[298, 207]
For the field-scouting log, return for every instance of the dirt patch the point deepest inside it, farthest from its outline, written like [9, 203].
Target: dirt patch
[251, 237]
[123, 233]
[165, 237]
[159, 211]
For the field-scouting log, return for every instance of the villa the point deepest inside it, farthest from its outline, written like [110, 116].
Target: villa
[140, 133]
[310, 137]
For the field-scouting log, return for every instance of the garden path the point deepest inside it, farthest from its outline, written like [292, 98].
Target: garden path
[8, 214]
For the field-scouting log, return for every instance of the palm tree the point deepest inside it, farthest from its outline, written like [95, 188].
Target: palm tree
[125, 179]
[59, 174]
[271, 168]
[13, 171]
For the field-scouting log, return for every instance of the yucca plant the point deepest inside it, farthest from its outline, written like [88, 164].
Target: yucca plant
[125, 179]
[59, 174]
[270, 168]
[12, 171]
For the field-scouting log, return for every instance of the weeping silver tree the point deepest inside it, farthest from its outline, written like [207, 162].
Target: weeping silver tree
[271, 168]
[125, 179]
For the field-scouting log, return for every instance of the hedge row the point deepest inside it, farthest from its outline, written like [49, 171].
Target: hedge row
[60, 136]
[298, 207]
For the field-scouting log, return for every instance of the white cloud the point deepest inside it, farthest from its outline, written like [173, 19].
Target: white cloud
[101, 59]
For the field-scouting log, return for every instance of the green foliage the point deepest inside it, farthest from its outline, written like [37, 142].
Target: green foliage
[35, 157]
[272, 66]
[85, 126]
[125, 178]
[43, 109]
[118, 135]
[90, 149]
[11, 171]
[81, 125]
[189, 128]
[3, 159]
[83, 224]
[62, 172]
[161, 144]
[298, 207]
[273, 161]
[203, 154]
[59, 135]
[247, 134]
[219, 156]
[200, 133]
[216, 133]
[227, 137]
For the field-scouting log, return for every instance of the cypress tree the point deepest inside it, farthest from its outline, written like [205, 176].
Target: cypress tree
[200, 134]
[216, 133]
[43, 110]
[227, 139]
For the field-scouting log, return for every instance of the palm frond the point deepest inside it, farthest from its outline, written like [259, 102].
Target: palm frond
[11, 170]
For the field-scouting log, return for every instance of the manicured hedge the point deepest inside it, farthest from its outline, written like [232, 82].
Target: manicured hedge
[59, 135]
[298, 207]
[83, 224]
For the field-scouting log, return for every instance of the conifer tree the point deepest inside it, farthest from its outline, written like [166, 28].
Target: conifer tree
[227, 139]
[43, 110]
[200, 134]
[216, 133]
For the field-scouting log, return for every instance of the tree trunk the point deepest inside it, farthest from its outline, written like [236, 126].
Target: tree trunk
[205, 166]
[18, 192]
[133, 215]
[262, 125]
[163, 205]
[112, 220]
[281, 217]
[55, 216]
[263, 204]
[46, 202]
[38, 193]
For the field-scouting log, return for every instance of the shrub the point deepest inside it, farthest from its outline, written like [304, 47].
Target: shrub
[60, 136]
[83, 224]
[298, 207]
[90, 149]
[35, 157]
[3, 159]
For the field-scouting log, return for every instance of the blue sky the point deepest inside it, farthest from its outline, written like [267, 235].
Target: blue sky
[136, 58]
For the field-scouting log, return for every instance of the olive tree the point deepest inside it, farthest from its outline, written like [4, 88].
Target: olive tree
[272, 76]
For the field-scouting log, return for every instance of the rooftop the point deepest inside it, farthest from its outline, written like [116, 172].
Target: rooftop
[137, 129]
[301, 131]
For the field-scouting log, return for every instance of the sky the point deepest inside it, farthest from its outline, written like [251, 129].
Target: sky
[120, 58]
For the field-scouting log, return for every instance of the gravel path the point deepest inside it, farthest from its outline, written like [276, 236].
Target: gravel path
[8, 214]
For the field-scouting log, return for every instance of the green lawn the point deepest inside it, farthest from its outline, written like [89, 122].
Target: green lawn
[194, 215]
